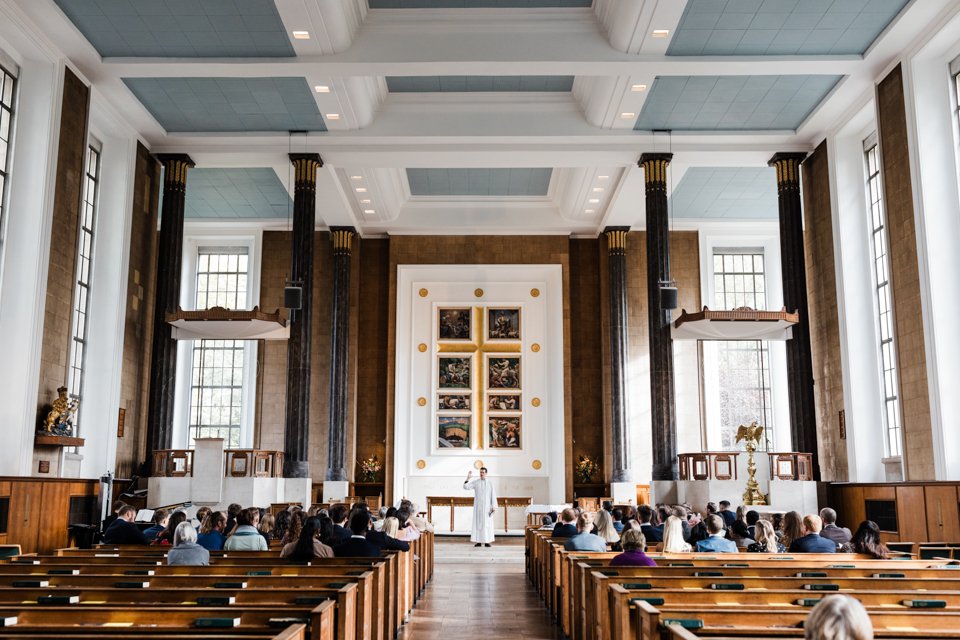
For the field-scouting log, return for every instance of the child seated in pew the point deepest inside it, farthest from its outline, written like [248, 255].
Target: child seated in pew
[308, 546]
[633, 543]
[185, 549]
[838, 617]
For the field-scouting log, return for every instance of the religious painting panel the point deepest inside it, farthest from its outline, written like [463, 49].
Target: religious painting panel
[503, 324]
[503, 373]
[503, 432]
[454, 324]
[503, 402]
[454, 402]
[455, 373]
[453, 432]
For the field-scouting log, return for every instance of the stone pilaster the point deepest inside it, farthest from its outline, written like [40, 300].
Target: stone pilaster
[296, 434]
[663, 412]
[163, 365]
[621, 468]
[803, 417]
[342, 239]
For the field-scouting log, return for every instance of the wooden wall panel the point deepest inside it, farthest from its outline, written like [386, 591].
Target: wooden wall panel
[22, 526]
[943, 513]
[926, 511]
[40, 511]
[910, 514]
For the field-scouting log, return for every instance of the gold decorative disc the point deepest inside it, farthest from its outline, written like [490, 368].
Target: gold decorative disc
[535, 347]
[423, 294]
[422, 347]
[422, 401]
[478, 292]
[535, 293]
[421, 464]
[535, 402]
[536, 464]
[478, 464]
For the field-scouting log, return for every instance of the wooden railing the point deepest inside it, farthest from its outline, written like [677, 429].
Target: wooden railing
[790, 465]
[238, 463]
[708, 465]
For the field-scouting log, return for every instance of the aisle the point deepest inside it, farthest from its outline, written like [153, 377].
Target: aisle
[479, 593]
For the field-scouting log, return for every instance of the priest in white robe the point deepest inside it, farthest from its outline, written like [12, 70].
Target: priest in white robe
[484, 506]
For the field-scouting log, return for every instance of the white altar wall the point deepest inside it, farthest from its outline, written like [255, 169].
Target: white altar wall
[421, 467]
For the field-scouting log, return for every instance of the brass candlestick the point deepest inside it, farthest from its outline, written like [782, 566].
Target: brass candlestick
[751, 435]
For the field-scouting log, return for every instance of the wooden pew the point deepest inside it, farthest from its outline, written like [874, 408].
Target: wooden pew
[293, 632]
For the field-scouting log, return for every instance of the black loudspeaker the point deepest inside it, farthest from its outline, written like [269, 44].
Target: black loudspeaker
[668, 297]
[293, 297]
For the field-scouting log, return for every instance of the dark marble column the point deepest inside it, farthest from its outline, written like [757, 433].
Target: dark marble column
[803, 418]
[621, 469]
[163, 363]
[663, 411]
[342, 239]
[296, 435]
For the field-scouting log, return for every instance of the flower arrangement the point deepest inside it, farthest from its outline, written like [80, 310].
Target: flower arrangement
[585, 469]
[369, 468]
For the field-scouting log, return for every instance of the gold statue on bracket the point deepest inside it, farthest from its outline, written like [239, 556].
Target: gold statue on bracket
[59, 420]
[752, 435]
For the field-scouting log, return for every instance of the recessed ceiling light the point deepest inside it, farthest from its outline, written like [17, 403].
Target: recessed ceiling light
[356, 177]
[597, 189]
[322, 88]
[661, 33]
[626, 115]
[594, 200]
[638, 87]
[369, 211]
[361, 189]
[589, 210]
[365, 201]
[603, 177]
[301, 35]
[332, 116]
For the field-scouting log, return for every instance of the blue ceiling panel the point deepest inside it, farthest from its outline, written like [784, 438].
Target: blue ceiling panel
[479, 182]
[191, 105]
[450, 84]
[478, 4]
[747, 193]
[236, 193]
[781, 27]
[181, 28]
[732, 103]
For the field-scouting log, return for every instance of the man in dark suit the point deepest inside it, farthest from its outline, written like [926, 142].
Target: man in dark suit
[338, 513]
[650, 532]
[752, 519]
[384, 541]
[830, 531]
[813, 542]
[566, 527]
[729, 517]
[123, 531]
[357, 545]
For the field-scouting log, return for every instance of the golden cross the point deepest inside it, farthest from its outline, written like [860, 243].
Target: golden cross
[479, 349]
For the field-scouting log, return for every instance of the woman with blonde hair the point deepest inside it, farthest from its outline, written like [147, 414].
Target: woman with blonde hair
[604, 527]
[673, 541]
[766, 539]
[838, 617]
[391, 526]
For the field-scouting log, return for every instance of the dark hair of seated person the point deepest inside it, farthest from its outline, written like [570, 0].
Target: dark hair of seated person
[392, 512]
[359, 523]
[166, 536]
[752, 517]
[283, 521]
[867, 540]
[303, 551]
[338, 513]
[740, 530]
[402, 517]
[326, 529]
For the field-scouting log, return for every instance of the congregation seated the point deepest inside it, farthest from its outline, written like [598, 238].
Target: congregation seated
[357, 545]
[407, 530]
[838, 617]
[123, 530]
[605, 529]
[650, 532]
[729, 517]
[114, 514]
[752, 518]
[246, 537]
[584, 540]
[201, 515]
[165, 537]
[211, 535]
[673, 541]
[307, 547]
[766, 540]
[387, 538]
[233, 510]
[812, 541]
[790, 529]
[830, 531]
[341, 533]
[632, 542]
[420, 523]
[547, 523]
[282, 524]
[566, 528]
[716, 542]
[294, 527]
[617, 516]
[185, 549]
[867, 540]
[160, 519]
[268, 524]
[740, 534]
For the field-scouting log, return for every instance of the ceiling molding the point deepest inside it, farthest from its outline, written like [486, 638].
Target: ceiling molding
[332, 25]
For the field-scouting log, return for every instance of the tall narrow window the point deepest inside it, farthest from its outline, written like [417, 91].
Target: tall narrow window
[955, 72]
[885, 320]
[216, 391]
[81, 294]
[744, 365]
[7, 82]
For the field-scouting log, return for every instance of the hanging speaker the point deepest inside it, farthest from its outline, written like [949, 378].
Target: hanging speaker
[668, 297]
[293, 297]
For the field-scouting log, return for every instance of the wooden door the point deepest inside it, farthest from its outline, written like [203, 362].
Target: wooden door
[943, 515]
[23, 527]
[910, 514]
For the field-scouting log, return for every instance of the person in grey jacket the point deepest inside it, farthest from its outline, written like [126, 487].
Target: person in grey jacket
[185, 549]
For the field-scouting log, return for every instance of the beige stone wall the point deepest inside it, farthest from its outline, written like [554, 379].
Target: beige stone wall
[824, 316]
[905, 279]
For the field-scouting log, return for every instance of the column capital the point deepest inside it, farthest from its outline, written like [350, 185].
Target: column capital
[175, 167]
[616, 240]
[654, 167]
[788, 167]
[342, 239]
[305, 169]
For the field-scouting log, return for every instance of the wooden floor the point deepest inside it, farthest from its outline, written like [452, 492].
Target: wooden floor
[479, 593]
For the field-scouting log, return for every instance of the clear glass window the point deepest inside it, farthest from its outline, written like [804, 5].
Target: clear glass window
[7, 86]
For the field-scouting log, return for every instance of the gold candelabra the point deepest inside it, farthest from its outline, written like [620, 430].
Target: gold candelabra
[751, 435]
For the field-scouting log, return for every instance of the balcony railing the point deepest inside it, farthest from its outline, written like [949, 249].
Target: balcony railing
[237, 463]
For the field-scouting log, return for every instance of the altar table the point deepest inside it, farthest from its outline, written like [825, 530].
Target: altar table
[466, 501]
